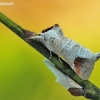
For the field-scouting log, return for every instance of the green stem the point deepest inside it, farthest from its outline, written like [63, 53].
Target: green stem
[92, 93]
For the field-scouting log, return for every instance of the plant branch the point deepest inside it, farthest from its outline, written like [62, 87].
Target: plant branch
[92, 91]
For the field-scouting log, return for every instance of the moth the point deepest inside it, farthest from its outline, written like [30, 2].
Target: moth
[80, 59]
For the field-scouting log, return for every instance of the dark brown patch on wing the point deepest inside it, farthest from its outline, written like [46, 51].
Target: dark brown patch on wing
[78, 62]
[76, 91]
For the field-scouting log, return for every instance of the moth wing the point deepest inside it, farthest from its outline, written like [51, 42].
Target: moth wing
[83, 67]
[61, 77]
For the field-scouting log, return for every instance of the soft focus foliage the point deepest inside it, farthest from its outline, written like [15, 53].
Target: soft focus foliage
[23, 75]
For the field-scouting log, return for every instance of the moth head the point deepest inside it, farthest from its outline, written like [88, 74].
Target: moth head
[53, 31]
[51, 36]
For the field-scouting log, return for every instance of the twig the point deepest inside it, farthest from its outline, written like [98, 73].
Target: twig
[92, 91]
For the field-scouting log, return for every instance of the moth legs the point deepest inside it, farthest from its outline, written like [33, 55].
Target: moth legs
[50, 55]
[59, 59]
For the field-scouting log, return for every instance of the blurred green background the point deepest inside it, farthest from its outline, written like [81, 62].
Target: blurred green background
[23, 75]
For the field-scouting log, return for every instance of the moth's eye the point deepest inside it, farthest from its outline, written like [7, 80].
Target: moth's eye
[51, 39]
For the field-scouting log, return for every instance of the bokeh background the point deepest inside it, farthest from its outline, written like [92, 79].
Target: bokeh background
[23, 75]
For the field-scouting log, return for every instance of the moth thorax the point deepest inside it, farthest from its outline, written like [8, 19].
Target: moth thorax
[60, 45]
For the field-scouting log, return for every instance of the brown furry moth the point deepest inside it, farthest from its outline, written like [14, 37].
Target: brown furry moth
[80, 59]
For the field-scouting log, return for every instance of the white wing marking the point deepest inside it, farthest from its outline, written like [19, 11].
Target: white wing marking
[61, 77]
